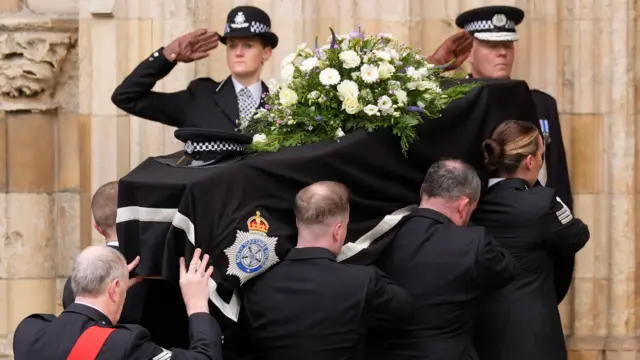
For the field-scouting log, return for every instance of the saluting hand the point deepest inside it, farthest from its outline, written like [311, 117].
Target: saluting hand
[192, 46]
[457, 46]
[194, 283]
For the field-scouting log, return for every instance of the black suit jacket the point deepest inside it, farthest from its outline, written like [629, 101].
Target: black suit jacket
[205, 103]
[521, 321]
[152, 304]
[445, 268]
[311, 307]
[44, 336]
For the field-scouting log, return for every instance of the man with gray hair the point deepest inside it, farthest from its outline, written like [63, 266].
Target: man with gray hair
[88, 329]
[445, 266]
[311, 307]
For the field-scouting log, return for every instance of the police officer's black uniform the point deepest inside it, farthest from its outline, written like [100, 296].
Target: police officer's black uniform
[205, 103]
[143, 307]
[498, 23]
[311, 307]
[522, 321]
[445, 268]
[44, 336]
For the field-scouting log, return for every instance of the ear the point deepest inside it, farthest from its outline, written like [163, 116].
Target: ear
[336, 232]
[528, 161]
[113, 288]
[266, 54]
[98, 228]
[462, 205]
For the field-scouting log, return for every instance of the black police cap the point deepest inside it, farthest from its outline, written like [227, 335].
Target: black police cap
[209, 141]
[491, 23]
[249, 21]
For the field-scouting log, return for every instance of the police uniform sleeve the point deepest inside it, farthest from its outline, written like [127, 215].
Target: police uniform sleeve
[205, 342]
[387, 302]
[561, 230]
[135, 96]
[494, 267]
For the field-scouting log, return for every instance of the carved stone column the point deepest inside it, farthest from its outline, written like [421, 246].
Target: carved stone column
[38, 213]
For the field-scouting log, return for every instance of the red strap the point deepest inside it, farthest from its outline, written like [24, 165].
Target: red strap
[90, 342]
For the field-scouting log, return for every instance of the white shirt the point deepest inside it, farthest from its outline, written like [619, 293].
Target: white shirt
[255, 89]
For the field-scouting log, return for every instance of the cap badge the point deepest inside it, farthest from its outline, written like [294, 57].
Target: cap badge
[239, 21]
[499, 20]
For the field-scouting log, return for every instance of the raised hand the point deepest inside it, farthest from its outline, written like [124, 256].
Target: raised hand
[194, 283]
[455, 50]
[192, 46]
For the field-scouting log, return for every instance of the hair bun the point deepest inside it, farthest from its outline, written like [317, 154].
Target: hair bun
[493, 154]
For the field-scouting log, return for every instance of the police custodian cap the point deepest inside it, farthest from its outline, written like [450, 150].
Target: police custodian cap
[491, 23]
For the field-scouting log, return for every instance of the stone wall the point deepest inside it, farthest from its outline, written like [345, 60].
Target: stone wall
[582, 53]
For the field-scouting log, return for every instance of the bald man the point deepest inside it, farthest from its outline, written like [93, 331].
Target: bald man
[311, 307]
[89, 329]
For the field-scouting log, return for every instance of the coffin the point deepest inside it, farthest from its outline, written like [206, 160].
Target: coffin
[165, 211]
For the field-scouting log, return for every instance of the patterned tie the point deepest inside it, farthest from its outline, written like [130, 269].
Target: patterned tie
[246, 103]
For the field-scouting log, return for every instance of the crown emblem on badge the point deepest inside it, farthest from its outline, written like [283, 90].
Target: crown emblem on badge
[499, 20]
[258, 223]
[239, 19]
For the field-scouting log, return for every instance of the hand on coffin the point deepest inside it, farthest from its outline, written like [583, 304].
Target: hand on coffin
[453, 51]
[132, 265]
[192, 46]
[194, 283]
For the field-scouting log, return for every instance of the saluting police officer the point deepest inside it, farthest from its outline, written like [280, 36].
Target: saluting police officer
[89, 329]
[205, 103]
[494, 31]
[522, 321]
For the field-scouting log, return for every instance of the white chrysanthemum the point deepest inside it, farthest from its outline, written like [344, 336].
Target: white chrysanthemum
[339, 133]
[371, 110]
[288, 60]
[385, 70]
[286, 74]
[394, 85]
[351, 105]
[369, 73]
[258, 138]
[413, 73]
[288, 97]
[382, 54]
[309, 64]
[329, 76]
[350, 59]
[401, 95]
[348, 89]
[385, 103]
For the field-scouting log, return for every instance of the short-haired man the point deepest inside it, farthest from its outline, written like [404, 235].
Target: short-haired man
[311, 307]
[143, 305]
[445, 266]
[88, 328]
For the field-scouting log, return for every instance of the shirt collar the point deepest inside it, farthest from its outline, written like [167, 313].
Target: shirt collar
[255, 88]
[494, 181]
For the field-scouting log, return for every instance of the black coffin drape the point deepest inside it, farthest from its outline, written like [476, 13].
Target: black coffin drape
[164, 210]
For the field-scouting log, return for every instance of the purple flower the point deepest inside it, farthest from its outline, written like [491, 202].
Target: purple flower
[278, 122]
[318, 118]
[267, 106]
[310, 127]
[416, 109]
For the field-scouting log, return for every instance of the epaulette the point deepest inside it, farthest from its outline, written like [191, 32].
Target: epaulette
[543, 93]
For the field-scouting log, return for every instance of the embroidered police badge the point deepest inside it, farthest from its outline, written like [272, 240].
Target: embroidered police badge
[239, 21]
[499, 20]
[253, 252]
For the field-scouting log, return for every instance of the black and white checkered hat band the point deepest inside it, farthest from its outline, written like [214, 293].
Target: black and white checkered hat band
[257, 27]
[212, 146]
[484, 25]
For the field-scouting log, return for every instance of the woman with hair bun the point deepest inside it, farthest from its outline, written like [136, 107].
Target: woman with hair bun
[521, 321]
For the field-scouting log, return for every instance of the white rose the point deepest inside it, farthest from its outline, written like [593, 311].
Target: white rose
[258, 138]
[382, 54]
[369, 73]
[351, 105]
[424, 72]
[385, 70]
[348, 89]
[401, 95]
[329, 76]
[286, 74]
[350, 59]
[384, 103]
[309, 64]
[370, 110]
[288, 60]
[288, 97]
[339, 133]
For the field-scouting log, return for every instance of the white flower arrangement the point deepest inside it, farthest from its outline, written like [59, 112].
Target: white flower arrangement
[353, 82]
